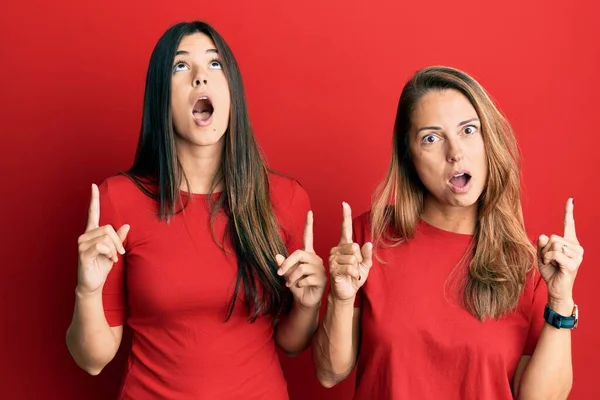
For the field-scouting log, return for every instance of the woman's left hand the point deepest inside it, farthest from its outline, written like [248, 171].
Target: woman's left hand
[303, 270]
[559, 259]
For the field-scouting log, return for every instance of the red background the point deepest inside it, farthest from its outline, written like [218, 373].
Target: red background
[322, 80]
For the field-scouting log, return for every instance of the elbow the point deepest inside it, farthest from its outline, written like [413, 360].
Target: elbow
[328, 383]
[291, 354]
[94, 371]
[92, 368]
[83, 361]
[290, 351]
[328, 380]
[561, 393]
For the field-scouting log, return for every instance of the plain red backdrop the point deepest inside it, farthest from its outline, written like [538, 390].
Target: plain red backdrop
[322, 80]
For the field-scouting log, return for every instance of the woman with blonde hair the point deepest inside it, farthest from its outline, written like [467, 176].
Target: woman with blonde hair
[443, 300]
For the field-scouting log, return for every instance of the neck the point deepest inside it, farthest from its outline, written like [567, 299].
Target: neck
[455, 219]
[200, 164]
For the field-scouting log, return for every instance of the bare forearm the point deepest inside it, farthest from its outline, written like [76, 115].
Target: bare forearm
[295, 330]
[549, 374]
[90, 339]
[335, 345]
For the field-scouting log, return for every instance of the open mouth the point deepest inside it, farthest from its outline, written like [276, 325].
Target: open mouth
[460, 181]
[203, 110]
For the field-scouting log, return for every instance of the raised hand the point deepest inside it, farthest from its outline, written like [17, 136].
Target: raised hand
[559, 259]
[98, 248]
[303, 270]
[349, 265]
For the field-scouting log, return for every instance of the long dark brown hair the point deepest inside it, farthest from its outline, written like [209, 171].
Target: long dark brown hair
[253, 228]
[501, 254]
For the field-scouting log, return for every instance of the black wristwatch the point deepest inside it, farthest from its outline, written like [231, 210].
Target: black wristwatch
[560, 321]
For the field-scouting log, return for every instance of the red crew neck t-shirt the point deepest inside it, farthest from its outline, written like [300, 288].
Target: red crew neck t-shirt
[172, 288]
[418, 342]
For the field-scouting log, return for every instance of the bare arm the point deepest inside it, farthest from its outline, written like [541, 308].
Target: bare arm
[335, 348]
[90, 340]
[295, 330]
[548, 374]
[305, 276]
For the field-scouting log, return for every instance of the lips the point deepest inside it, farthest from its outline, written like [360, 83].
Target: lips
[460, 181]
[203, 111]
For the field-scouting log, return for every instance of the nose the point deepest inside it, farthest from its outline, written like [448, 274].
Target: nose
[200, 81]
[200, 77]
[455, 151]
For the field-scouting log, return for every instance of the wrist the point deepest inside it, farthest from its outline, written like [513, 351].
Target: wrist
[563, 307]
[308, 308]
[84, 294]
[340, 303]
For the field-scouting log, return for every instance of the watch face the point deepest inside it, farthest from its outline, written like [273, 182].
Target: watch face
[576, 315]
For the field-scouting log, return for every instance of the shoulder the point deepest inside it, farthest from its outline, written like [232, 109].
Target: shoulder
[287, 191]
[118, 186]
[120, 194]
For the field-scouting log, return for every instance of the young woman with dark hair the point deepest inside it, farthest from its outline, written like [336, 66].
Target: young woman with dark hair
[199, 248]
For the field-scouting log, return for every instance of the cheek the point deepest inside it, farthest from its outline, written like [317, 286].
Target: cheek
[479, 156]
[426, 167]
[176, 99]
[225, 98]
[178, 108]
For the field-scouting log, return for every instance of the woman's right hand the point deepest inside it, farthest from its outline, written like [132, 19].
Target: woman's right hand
[98, 248]
[349, 265]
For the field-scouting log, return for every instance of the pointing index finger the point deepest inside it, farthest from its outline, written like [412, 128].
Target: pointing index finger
[308, 233]
[346, 224]
[94, 210]
[569, 232]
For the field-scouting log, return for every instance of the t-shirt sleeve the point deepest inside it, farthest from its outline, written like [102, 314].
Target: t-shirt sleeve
[540, 298]
[113, 292]
[296, 218]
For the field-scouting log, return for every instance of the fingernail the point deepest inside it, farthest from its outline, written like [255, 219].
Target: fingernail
[279, 272]
[122, 250]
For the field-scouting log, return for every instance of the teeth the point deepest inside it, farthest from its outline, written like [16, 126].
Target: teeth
[203, 98]
[456, 176]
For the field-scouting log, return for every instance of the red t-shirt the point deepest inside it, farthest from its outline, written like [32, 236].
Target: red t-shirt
[173, 287]
[418, 342]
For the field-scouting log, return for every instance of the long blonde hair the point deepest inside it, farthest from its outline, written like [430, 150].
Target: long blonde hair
[502, 254]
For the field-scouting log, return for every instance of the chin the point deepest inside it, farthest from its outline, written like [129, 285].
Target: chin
[207, 139]
[202, 136]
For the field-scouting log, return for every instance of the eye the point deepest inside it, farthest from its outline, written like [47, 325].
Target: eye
[179, 66]
[470, 129]
[215, 64]
[428, 139]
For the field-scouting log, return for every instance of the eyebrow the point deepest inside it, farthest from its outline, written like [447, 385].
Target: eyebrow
[185, 53]
[437, 128]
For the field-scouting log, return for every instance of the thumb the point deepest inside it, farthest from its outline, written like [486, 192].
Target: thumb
[542, 241]
[279, 259]
[122, 232]
[367, 254]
